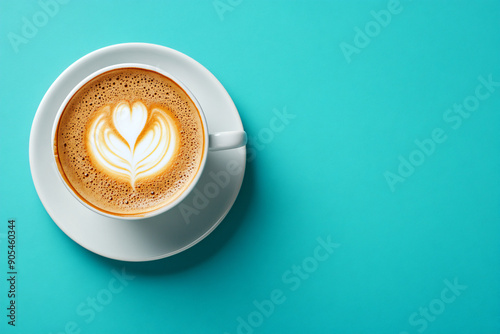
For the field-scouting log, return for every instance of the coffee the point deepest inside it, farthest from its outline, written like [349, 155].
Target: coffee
[129, 141]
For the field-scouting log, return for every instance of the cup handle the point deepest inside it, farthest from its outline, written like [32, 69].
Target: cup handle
[226, 140]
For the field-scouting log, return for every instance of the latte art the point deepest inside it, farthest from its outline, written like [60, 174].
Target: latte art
[126, 142]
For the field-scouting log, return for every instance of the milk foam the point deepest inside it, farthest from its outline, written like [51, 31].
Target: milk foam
[115, 132]
[127, 142]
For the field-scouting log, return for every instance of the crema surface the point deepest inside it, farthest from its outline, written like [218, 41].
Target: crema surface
[129, 141]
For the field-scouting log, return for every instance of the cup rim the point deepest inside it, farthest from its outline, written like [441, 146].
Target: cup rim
[193, 182]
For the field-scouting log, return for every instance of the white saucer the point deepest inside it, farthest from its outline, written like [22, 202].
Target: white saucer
[166, 234]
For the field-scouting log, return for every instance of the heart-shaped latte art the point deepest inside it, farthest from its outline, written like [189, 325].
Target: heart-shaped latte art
[126, 142]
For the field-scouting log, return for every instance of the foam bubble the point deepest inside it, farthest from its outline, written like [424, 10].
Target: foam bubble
[108, 191]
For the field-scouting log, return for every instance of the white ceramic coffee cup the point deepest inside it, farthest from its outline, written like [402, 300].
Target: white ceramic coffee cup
[212, 141]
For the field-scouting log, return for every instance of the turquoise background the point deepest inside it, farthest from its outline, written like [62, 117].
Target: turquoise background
[321, 177]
